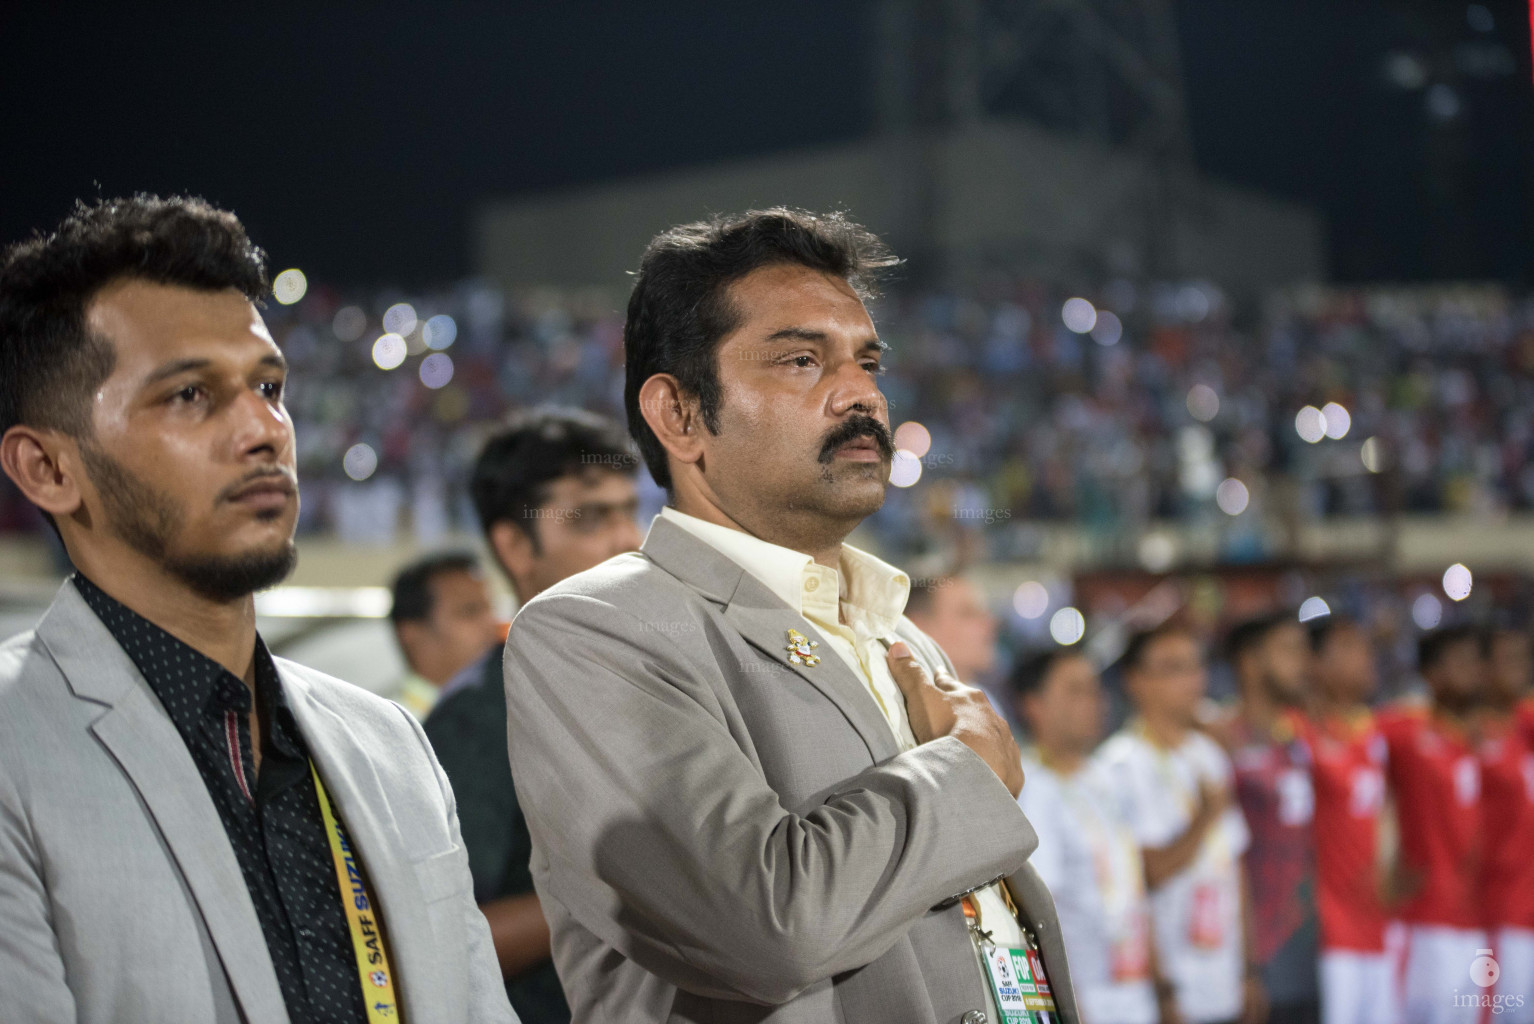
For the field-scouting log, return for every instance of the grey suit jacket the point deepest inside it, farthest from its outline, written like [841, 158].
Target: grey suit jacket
[720, 836]
[120, 896]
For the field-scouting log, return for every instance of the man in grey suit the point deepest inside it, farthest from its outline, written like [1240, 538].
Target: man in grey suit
[754, 789]
[190, 829]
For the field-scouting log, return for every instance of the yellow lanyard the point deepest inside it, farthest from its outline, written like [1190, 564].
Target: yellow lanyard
[373, 971]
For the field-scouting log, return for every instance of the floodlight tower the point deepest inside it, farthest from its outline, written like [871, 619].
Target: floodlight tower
[1106, 71]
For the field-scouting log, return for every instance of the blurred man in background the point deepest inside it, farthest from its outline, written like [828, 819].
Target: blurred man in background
[1507, 814]
[1435, 782]
[555, 493]
[1270, 657]
[1087, 857]
[443, 620]
[1347, 768]
[1174, 790]
[190, 828]
[952, 611]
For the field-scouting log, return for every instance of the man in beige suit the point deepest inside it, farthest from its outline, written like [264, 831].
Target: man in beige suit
[193, 831]
[754, 789]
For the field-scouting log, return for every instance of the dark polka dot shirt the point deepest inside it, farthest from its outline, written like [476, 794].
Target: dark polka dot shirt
[273, 819]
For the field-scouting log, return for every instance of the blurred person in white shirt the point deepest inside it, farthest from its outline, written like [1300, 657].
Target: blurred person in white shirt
[1089, 859]
[1172, 785]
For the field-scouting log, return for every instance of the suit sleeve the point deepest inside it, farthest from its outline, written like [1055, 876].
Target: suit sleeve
[31, 967]
[487, 1000]
[658, 833]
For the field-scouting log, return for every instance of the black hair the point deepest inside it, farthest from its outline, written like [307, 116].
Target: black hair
[512, 475]
[679, 309]
[1323, 628]
[50, 363]
[1141, 640]
[1435, 643]
[924, 593]
[411, 588]
[1031, 673]
[1250, 634]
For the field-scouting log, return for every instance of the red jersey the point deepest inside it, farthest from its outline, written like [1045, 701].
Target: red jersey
[1347, 768]
[1507, 813]
[1523, 714]
[1274, 791]
[1436, 779]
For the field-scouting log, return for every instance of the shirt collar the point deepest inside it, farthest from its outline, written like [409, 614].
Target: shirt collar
[863, 582]
[213, 688]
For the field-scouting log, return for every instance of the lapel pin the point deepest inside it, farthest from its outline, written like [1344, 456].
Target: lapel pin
[801, 649]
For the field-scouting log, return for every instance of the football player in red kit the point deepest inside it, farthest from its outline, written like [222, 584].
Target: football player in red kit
[1434, 777]
[1507, 813]
[1347, 765]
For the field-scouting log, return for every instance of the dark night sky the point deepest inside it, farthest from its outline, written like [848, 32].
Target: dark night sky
[356, 140]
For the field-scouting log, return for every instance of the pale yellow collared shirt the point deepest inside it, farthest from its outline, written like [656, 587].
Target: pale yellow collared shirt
[852, 609]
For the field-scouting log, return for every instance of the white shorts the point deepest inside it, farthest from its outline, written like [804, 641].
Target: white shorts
[1513, 949]
[1357, 988]
[1434, 975]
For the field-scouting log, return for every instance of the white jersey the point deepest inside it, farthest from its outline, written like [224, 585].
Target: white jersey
[1197, 913]
[1091, 863]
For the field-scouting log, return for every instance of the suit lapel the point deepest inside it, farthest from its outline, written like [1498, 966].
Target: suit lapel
[763, 621]
[363, 806]
[140, 736]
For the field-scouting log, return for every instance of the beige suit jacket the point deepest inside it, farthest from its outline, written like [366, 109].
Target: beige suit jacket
[120, 897]
[720, 836]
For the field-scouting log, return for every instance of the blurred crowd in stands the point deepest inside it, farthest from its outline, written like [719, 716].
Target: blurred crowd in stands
[1107, 408]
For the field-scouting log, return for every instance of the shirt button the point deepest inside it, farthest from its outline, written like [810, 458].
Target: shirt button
[812, 584]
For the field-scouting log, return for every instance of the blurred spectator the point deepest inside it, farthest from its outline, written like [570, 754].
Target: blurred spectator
[1270, 658]
[1347, 763]
[1507, 813]
[952, 611]
[1087, 857]
[1173, 785]
[555, 495]
[1435, 780]
[443, 621]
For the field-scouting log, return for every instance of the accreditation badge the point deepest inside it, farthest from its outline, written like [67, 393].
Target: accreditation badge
[1019, 986]
[1206, 919]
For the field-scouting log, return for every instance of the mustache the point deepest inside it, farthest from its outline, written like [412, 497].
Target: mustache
[854, 427]
[277, 472]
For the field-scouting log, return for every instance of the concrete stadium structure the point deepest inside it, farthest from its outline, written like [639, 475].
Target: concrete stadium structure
[989, 194]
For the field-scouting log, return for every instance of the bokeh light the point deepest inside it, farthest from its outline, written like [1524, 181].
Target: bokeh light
[1031, 600]
[289, 286]
[1372, 455]
[905, 468]
[436, 370]
[1232, 496]
[914, 438]
[1203, 403]
[439, 332]
[1108, 329]
[1079, 315]
[1067, 626]
[400, 319]
[1427, 612]
[1310, 423]
[1457, 582]
[349, 324]
[388, 351]
[1338, 421]
[1314, 608]
[360, 461]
